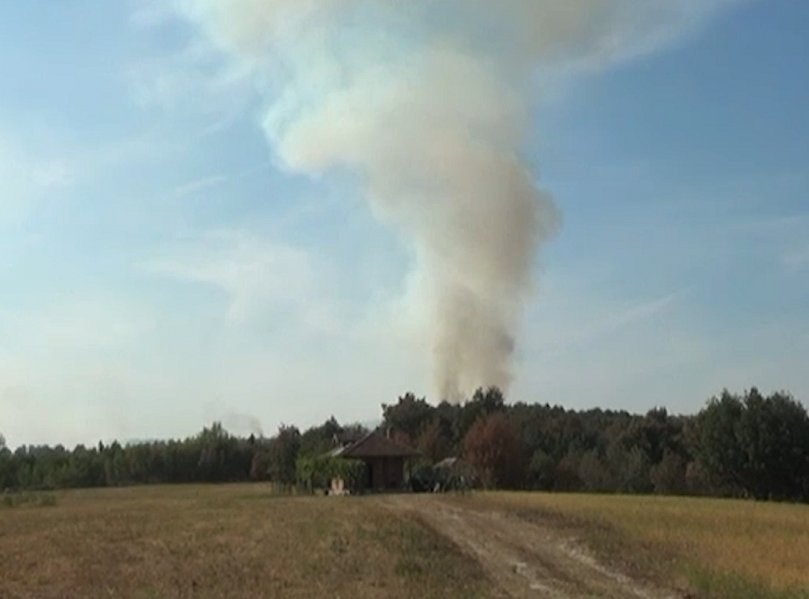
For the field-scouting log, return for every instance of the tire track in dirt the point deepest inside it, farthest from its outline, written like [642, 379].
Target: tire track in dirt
[524, 559]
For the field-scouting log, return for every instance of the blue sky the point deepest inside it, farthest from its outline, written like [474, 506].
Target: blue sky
[158, 270]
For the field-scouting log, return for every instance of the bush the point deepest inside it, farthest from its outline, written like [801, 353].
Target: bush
[423, 478]
[46, 500]
[318, 472]
[23, 498]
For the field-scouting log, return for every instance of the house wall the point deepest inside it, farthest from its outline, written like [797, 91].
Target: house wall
[385, 473]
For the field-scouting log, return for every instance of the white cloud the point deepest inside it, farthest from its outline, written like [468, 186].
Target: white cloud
[148, 14]
[259, 277]
[191, 187]
[78, 364]
[26, 179]
[54, 174]
[194, 80]
[573, 311]
[633, 313]
[100, 369]
[570, 37]
[208, 181]
[78, 324]
[63, 371]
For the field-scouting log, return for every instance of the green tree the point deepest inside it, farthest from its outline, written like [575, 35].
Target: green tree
[594, 473]
[541, 471]
[216, 448]
[497, 453]
[434, 443]
[283, 453]
[482, 404]
[409, 415]
[7, 467]
[317, 440]
[755, 445]
[668, 477]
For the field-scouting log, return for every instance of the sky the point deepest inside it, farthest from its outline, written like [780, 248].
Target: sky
[159, 269]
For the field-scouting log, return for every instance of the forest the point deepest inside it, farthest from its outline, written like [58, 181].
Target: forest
[739, 445]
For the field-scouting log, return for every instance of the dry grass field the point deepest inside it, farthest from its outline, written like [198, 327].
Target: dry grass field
[225, 542]
[717, 548]
[247, 541]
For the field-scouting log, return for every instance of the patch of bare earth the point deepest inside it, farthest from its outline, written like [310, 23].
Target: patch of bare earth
[523, 558]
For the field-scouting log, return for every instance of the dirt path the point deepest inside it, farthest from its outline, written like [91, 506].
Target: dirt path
[524, 560]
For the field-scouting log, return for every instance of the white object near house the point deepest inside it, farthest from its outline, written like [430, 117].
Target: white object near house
[338, 487]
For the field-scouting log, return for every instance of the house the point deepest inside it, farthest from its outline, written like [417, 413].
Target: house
[386, 461]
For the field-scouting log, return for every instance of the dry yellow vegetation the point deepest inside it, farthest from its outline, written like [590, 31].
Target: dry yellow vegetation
[225, 541]
[211, 542]
[723, 548]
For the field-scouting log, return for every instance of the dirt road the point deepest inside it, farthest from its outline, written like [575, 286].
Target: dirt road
[522, 558]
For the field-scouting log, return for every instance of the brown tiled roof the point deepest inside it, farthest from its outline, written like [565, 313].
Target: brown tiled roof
[375, 445]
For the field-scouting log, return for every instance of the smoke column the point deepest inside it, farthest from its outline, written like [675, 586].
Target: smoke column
[427, 102]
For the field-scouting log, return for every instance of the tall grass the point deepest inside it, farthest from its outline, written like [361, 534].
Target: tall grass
[9, 499]
[221, 541]
[721, 548]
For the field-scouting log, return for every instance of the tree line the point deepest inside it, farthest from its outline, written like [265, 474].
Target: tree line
[738, 445]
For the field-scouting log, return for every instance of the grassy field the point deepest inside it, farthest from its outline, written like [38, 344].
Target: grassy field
[717, 548]
[248, 541]
[224, 541]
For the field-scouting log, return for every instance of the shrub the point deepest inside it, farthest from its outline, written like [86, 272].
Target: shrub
[318, 472]
[22, 498]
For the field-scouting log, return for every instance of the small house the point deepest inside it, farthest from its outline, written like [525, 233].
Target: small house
[386, 461]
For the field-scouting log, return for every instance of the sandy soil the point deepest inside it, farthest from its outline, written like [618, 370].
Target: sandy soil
[523, 558]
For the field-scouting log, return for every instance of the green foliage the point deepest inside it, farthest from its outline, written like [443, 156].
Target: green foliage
[541, 470]
[318, 439]
[754, 445]
[748, 445]
[260, 466]
[447, 424]
[435, 442]
[668, 477]
[722, 585]
[409, 416]
[282, 452]
[211, 456]
[317, 472]
[27, 498]
[594, 473]
[423, 477]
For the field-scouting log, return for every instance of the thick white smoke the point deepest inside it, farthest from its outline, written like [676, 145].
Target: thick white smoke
[428, 102]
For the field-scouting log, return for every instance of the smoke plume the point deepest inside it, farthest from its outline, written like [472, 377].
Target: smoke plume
[428, 103]
[242, 424]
